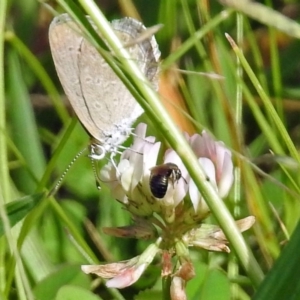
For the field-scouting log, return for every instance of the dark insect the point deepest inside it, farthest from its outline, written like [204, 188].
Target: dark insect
[160, 177]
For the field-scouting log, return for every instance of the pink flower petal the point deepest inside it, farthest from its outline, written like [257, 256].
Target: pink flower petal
[209, 169]
[227, 178]
[195, 196]
[127, 277]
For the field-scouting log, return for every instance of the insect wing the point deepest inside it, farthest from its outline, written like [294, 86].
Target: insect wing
[100, 99]
[65, 42]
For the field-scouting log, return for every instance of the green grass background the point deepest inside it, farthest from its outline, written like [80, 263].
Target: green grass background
[254, 109]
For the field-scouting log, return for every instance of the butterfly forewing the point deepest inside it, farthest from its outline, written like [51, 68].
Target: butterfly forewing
[101, 101]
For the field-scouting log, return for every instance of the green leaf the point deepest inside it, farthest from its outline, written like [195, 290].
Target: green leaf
[71, 292]
[216, 278]
[203, 286]
[50, 287]
[17, 210]
[282, 282]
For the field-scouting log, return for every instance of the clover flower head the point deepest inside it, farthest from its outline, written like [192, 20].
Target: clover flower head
[166, 204]
[131, 183]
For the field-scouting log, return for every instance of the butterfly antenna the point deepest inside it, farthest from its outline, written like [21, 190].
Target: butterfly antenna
[95, 171]
[62, 177]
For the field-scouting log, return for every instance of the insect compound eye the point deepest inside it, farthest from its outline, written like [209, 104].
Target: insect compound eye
[177, 174]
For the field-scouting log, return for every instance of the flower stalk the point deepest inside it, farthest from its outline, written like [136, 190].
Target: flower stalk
[166, 205]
